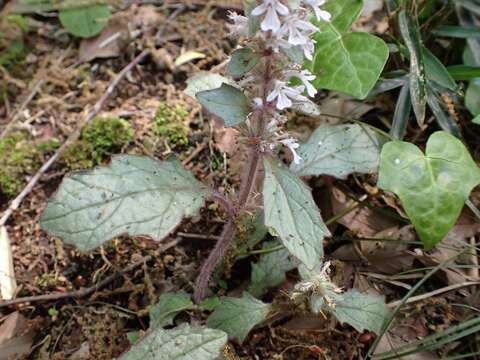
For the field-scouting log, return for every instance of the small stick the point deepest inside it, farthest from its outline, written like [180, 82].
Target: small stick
[433, 293]
[30, 97]
[73, 137]
[77, 294]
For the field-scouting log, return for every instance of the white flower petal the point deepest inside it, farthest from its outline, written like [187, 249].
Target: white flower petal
[271, 21]
[260, 9]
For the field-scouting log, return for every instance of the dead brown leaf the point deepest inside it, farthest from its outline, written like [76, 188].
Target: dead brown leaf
[108, 43]
[386, 257]
[16, 337]
[362, 221]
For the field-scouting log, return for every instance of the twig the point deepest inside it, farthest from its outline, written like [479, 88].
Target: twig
[193, 155]
[77, 294]
[73, 137]
[30, 97]
[197, 236]
[433, 293]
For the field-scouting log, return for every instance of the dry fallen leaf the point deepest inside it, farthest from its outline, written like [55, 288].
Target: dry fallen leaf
[16, 339]
[188, 56]
[362, 221]
[386, 257]
[108, 43]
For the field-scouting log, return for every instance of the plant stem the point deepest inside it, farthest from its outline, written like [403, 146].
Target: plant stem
[230, 228]
[255, 155]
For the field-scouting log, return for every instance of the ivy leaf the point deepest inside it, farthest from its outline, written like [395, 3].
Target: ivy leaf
[417, 72]
[339, 151]
[344, 61]
[85, 21]
[432, 187]
[362, 311]
[227, 102]
[291, 212]
[134, 195]
[183, 343]
[270, 270]
[168, 306]
[242, 61]
[237, 316]
[204, 81]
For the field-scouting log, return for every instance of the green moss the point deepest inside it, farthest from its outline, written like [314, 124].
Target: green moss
[169, 123]
[13, 56]
[99, 139]
[18, 159]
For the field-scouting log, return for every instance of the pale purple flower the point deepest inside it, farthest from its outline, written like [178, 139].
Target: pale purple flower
[319, 13]
[285, 94]
[298, 30]
[272, 8]
[257, 102]
[305, 77]
[240, 24]
[322, 291]
[292, 145]
[308, 49]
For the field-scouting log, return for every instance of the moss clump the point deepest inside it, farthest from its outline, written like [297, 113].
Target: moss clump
[18, 159]
[99, 139]
[12, 46]
[169, 123]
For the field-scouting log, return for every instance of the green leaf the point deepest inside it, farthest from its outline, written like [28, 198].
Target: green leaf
[270, 270]
[472, 97]
[464, 72]
[402, 112]
[460, 32]
[436, 71]
[134, 195]
[362, 311]
[168, 306]
[209, 304]
[204, 81]
[343, 61]
[433, 187]
[384, 85]
[292, 213]
[252, 230]
[85, 21]
[476, 120]
[227, 102]
[442, 118]
[339, 151]
[242, 61]
[183, 343]
[237, 316]
[417, 72]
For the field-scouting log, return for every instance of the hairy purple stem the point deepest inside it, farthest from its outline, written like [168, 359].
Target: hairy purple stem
[248, 183]
[229, 230]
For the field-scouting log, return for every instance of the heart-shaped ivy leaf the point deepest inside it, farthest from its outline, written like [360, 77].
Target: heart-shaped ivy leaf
[134, 195]
[432, 187]
[349, 62]
[86, 21]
